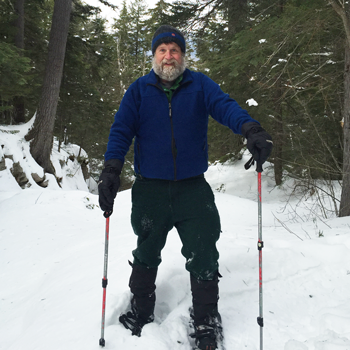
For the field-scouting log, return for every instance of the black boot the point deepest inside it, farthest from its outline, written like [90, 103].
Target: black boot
[205, 314]
[142, 286]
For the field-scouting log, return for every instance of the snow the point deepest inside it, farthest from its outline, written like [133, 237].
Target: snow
[67, 168]
[52, 252]
[251, 102]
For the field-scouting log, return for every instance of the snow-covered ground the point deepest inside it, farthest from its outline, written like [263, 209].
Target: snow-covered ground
[51, 265]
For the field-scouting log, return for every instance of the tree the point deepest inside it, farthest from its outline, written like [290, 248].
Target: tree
[159, 15]
[342, 8]
[26, 26]
[132, 44]
[288, 60]
[41, 133]
[13, 69]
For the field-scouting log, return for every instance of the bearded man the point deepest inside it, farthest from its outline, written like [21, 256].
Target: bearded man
[166, 112]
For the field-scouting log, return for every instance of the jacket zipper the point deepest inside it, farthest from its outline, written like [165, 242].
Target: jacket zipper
[173, 143]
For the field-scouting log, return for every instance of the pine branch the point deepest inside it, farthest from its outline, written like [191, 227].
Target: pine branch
[106, 3]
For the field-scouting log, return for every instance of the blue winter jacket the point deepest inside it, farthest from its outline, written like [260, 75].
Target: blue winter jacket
[171, 137]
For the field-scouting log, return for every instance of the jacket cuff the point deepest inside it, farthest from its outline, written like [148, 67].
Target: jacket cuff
[250, 128]
[114, 165]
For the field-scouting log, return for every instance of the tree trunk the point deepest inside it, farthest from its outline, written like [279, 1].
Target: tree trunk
[42, 132]
[278, 125]
[278, 136]
[19, 24]
[343, 10]
[344, 209]
[18, 114]
[18, 110]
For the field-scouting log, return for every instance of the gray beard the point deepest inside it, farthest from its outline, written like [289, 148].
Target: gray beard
[169, 73]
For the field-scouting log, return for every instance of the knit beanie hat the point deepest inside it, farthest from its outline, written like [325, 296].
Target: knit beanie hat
[168, 34]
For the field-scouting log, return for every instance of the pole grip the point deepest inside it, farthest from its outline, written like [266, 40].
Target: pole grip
[250, 162]
[259, 168]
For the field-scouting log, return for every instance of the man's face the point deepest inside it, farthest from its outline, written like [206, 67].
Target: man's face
[168, 61]
[168, 53]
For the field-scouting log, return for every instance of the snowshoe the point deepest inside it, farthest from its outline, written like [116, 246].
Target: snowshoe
[133, 323]
[207, 337]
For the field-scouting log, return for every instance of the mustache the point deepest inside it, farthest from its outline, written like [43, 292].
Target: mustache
[172, 60]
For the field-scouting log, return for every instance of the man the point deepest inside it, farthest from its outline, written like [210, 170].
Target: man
[167, 112]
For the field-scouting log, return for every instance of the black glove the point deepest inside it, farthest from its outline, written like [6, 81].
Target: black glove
[259, 142]
[108, 185]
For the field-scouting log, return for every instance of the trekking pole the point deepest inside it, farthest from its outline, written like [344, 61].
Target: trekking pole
[260, 247]
[260, 318]
[104, 284]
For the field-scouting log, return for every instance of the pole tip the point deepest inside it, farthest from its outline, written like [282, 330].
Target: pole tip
[102, 342]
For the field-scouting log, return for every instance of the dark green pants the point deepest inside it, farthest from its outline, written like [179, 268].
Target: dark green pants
[188, 205]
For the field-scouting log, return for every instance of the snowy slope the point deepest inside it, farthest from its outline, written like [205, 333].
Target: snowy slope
[51, 266]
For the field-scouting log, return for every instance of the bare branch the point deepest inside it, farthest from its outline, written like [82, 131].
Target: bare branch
[284, 226]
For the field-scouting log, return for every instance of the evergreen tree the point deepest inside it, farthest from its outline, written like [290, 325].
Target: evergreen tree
[292, 65]
[13, 72]
[140, 44]
[132, 46]
[37, 19]
[159, 15]
[278, 60]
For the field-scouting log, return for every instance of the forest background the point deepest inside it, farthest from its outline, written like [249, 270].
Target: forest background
[291, 57]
